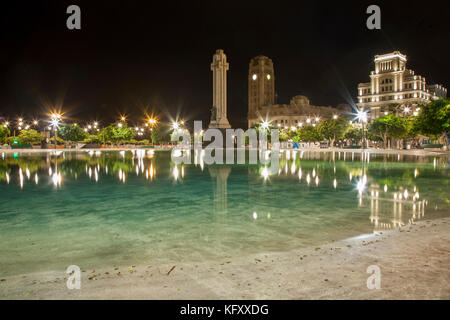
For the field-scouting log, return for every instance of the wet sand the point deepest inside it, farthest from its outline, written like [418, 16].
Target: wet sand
[414, 263]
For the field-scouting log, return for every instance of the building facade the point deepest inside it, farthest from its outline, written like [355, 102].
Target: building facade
[395, 89]
[262, 104]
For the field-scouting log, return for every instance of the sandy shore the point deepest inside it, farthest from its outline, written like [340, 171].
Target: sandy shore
[414, 263]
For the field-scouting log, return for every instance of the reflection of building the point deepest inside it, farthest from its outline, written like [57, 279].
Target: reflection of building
[220, 173]
[391, 83]
[262, 103]
[402, 208]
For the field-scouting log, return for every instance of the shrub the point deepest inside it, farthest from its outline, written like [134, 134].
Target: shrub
[30, 137]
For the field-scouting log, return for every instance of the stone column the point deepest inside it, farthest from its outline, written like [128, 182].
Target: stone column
[219, 67]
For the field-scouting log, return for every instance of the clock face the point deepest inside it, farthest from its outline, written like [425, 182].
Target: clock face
[254, 77]
[268, 77]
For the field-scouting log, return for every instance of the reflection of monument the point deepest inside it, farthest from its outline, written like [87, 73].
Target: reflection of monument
[219, 67]
[220, 191]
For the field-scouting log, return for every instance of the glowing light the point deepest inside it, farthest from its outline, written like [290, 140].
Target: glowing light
[56, 178]
[255, 215]
[335, 117]
[265, 173]
[254, 77]
[401, 57]
[265, 124]
[362, 115]
[175, 126]
[268, 77]
[175, 173]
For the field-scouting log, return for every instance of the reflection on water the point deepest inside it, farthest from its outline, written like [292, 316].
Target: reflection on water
[139, 204]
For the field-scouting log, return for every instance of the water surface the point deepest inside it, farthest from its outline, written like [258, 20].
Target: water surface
[99, 209]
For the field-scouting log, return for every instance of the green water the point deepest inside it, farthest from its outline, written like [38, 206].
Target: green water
[124, 208]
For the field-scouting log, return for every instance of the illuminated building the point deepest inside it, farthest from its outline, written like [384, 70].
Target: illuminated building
[395, 89]
[262, 105]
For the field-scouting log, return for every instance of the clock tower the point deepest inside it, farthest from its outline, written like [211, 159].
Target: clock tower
[261, 85]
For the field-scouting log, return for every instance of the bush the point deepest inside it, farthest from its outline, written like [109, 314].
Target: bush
[429, 146]
[30, 137]
[143, 142]
[92, 139]
[58, 140]
[4, 133]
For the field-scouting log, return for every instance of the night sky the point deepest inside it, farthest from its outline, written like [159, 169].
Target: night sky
[133, 56]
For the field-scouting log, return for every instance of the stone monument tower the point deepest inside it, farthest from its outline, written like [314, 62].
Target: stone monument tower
[219, 67]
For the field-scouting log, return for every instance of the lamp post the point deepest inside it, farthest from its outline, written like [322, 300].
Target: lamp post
[55, 121]
[362, 117]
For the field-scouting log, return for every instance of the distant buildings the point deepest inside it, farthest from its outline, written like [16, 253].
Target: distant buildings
[262, 104]
[395, 89]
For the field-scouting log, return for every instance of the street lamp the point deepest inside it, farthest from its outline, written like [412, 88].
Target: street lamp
[362, 117]
[265, 125]
[55, 118]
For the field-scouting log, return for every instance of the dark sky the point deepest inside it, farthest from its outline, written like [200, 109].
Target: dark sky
[135, 55]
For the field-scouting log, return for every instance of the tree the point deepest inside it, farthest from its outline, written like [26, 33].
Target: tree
[333, 129]
[388, 127]
[434, 119]
[115, 133]
[160, 133]
[30, 137]
[72, 133]
[4, 133]
[353, 134]
[283, 135]
[309, 134]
